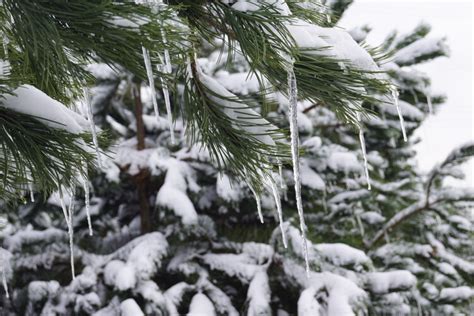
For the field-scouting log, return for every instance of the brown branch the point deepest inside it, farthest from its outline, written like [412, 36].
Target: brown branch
[142, 179]
[309, 108]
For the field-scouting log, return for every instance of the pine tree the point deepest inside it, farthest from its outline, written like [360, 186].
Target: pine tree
[183, 216]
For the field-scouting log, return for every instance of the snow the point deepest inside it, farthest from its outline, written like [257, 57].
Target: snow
[312, 144]
[344, 161]
[241, 83]
[261, 253]
[102, 71]
[146, 256]
[201, 306]
[372, 218]
[129, 307]
[334, 42]
[245, 6]
[308, 304]
[342, 293]
[241, 265]
[420, 48]
[173, 193]
[384, 282]
[409, 111]
[239, 113]
[259, 295]
[228, 190]
[342, 254]
[29, 100]
[39, 290]
[310, 178]
[461, 293]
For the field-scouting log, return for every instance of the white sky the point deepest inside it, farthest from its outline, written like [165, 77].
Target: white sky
[453, 123]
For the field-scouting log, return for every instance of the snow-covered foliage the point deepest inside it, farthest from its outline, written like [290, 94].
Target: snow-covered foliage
[402, 248]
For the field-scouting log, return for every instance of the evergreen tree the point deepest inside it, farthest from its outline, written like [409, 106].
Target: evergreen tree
[184, 213]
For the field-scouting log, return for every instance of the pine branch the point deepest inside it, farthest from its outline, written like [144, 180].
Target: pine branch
[33, 153]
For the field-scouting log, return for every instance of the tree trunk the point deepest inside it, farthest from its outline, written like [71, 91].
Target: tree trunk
[143, 177]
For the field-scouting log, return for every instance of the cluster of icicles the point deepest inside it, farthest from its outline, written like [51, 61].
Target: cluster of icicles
[166, 68]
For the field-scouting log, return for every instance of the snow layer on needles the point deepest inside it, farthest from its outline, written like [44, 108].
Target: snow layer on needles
[129, 307]
[456, 294]
[384, 282]
[342, 294]
[201, 305]
[260, 128]
[310, 178]
[344, 162]
[173, 192]
[332, 42]
[259, 295]
[342, 254]
[31, 101]
[421, 47]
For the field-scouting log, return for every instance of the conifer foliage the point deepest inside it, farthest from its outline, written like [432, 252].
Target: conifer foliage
[164, 153]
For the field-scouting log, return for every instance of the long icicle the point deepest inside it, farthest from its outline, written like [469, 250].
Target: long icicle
[151, 81]
[259, 203]
[85, 185]
[32, 193]
[168, 69]
[430, 105]
[166, 95]
[364, 151]
[395, 95]
[90, 118]
[4, 281]
[276, 196]
[293, 115]
[69, 230]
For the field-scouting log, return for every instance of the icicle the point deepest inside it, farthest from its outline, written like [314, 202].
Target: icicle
[325, 205]
[85, 185]
[293, 116]
[90, 118]
[4, 281]
[168, 69]
[430, 105]
[343, 66]
[68, 217]
[359, 223]
[328, 17]
[387, 239]
[71, 232]
[395, 95]
[189, 71]
[32, 193]
[5, 42]
[166, 95]
[364, 151]
[276, 196]
[151, 80]
[280, 175]
[259, 203]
